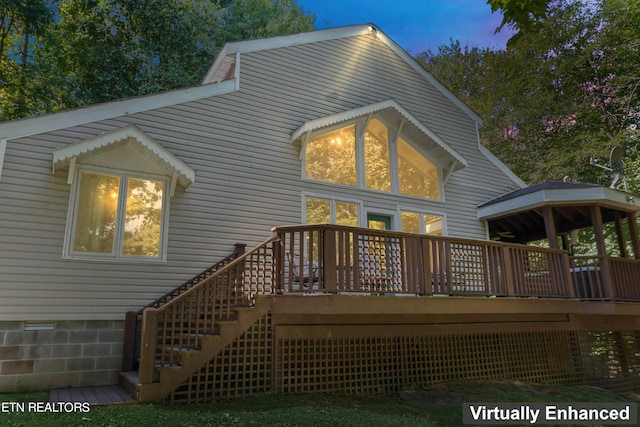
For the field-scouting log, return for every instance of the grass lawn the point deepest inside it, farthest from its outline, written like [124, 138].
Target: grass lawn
[437, 406]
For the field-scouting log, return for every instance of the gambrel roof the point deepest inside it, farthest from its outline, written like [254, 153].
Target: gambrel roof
[224, 77]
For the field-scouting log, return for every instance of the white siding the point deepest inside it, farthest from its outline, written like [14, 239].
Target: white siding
[248, 176]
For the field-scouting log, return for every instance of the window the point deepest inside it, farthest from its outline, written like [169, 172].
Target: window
[332, 157]
[326, 211]
[376, 156]
[417, 176]
[374, 160]
[414, 222]
[117, 215]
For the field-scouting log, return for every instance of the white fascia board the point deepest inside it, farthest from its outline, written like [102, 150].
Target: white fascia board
[338, 33]
[104, 111]
[185, 174]
[369, 109]
[216, 64]
[501, 166]
[276, 42]
[3, 148]
[429, 77]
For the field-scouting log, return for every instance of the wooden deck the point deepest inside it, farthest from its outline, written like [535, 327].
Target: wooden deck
[96, 395]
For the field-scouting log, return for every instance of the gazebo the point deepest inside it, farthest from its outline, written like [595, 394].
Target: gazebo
[552, 210]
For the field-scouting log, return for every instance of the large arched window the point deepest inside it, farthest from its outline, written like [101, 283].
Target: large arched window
[371, 155]
[332, 157]
[417, 176]
[376, 156]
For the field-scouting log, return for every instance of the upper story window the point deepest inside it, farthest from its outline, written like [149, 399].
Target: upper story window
[332, 157]
[417, 176]
[371, 156]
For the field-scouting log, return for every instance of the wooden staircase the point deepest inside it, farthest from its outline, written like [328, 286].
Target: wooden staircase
[192, 327]
[189, 360]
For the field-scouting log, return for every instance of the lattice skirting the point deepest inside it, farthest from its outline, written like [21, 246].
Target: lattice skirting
[285, 361]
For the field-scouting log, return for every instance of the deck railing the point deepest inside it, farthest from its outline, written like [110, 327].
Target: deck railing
[331, 258]
[339, 259]
[625, 279]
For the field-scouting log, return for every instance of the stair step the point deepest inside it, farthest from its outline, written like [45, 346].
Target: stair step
[128, 381]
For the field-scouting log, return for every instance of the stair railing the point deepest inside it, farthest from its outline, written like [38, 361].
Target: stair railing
[182, 323]
[133, 319]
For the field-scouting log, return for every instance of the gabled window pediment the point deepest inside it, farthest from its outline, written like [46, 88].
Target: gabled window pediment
[378, 147]
[394, 116]
[118, 205]
[130, 149]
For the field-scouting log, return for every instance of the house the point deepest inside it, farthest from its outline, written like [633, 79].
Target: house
[109, 207]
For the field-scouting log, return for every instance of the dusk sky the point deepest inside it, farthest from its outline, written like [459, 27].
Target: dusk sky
[416, 25]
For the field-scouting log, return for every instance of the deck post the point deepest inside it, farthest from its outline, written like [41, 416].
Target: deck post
[148, 345]
[414, 265]
[329, 266]
[129, 341]
[507, 269]
[240, 249]
[568, 277]
[428, 268]
[278, 265]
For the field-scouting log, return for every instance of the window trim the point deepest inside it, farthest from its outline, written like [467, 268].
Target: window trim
[332, 205]
[360, 124]
[68, 252]
[422, 213]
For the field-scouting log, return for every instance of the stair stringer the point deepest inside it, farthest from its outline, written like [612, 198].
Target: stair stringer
[170, 378]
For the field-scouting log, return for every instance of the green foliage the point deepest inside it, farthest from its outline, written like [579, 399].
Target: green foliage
[520, 15]
[22, 24]
[568, 91]
[60, 54]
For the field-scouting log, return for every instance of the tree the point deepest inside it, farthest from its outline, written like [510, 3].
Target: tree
[519, 15]
[88, 51]
[22, 22]
[567, 91]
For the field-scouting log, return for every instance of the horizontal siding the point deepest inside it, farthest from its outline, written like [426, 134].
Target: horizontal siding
[247, 177]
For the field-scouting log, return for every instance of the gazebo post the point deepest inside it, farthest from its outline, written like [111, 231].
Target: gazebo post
[633, 230]
[550, 227]
[622, 244]
[598, 229]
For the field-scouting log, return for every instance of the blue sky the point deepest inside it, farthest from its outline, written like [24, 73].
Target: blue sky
[416, 25]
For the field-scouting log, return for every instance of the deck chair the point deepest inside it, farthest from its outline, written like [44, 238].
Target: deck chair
[307, 274]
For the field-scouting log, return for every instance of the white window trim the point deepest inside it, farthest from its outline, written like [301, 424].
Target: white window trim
[332, 204]
[360, 124]
[116, 257]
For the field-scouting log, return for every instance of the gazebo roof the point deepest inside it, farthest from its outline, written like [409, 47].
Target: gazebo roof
[518, 216]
